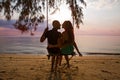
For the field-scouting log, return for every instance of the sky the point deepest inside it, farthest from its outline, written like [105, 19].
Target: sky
[101, 17]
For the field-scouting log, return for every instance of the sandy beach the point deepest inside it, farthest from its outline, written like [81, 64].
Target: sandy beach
[37, 67]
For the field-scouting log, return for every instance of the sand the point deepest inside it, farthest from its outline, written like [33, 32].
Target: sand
[37, 67]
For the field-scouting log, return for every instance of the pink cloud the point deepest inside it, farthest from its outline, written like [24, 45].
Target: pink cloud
[98, 31]
[8, 32]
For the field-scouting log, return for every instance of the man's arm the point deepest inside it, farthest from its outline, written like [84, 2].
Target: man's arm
[43, 35]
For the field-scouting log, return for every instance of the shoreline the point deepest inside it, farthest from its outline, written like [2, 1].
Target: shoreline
[98, 53]
[83, 53]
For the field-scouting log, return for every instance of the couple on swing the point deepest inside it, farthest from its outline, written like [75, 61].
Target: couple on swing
[60, 44]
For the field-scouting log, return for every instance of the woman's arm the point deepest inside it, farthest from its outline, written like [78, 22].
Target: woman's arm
[75, 45]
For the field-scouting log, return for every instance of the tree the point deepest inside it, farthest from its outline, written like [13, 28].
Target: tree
[31, 11]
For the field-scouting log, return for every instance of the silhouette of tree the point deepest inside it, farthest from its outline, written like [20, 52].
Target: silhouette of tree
[31, 11]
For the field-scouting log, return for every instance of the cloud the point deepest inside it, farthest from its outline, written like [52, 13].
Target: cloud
[7, 28]
[100, 4]
[8, 32]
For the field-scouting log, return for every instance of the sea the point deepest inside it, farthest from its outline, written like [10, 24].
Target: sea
[87, 44]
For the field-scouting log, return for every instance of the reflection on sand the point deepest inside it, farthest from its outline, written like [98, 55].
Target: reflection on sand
[62, 73]
[58, 75]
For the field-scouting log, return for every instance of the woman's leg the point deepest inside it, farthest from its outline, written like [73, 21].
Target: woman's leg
[67, 60]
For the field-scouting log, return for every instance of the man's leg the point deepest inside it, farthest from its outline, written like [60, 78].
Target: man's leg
[52, 63]
[48, 56]
[60, 60]
[56, 62]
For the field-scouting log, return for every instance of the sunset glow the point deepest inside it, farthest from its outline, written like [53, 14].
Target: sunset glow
[101, 17]
[61, 14]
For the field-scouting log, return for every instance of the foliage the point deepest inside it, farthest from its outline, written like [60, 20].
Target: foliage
[31, 11]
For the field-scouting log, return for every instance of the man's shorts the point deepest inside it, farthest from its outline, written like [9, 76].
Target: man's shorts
[54, 51]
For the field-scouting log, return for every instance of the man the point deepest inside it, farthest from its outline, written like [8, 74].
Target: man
[52, 39]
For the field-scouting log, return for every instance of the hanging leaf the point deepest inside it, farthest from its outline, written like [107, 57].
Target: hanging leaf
[31, 11]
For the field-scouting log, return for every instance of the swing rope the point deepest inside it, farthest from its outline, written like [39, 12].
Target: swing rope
[47, 12]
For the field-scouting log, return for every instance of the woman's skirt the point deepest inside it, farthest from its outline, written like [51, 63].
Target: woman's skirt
[67, 50]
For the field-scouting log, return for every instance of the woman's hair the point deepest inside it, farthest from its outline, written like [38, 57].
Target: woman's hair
[67, 25]
[69, 29]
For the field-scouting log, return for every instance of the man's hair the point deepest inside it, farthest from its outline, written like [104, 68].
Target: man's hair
[56, 24]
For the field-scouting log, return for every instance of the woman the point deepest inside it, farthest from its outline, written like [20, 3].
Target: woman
[67, 42]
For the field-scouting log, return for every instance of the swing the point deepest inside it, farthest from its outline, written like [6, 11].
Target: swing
[68, 50]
